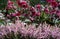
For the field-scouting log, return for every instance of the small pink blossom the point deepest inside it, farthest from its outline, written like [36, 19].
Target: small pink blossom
[10, 4]
[58, 13]
[13, 14]
[46, 10]
[38, 14]
[38, 6]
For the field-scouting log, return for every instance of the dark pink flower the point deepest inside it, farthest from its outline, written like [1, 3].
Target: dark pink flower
[53, 12]
[38, 6]
[32, 9]
[58, 13]
[46, 10]
[49, 1]
[18, 13]
[38, 14]
[18, 2]
[54, 4]
[13, 14]
[22, 4]
[33, 13]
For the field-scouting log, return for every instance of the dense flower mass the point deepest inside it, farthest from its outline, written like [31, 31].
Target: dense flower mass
[26, 19]
[21, 30]
[39, 13]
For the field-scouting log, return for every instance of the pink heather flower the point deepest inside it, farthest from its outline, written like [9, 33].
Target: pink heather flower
[6, 31]
[58, 35]
[37, 31]
[35, 34]
[22, 3]
[31, 29]
[42, 35]
[45, 31]
[1, 35]
[54, 34]
[19, 24]
[23, 31]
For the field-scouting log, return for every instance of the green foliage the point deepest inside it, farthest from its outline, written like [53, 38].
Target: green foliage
[34, 2]
[3, 4]
[2, 22]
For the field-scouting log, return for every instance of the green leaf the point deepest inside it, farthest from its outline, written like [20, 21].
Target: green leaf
[2, 22]
[27, 21]
[11, 11]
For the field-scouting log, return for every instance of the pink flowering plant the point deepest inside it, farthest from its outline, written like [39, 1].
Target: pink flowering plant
[30, 11]
[22, 32]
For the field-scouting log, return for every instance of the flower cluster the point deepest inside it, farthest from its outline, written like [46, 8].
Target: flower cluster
[22, 10]
[23, 31]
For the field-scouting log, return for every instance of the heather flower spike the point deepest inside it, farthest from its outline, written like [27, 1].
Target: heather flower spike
[31, 31]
